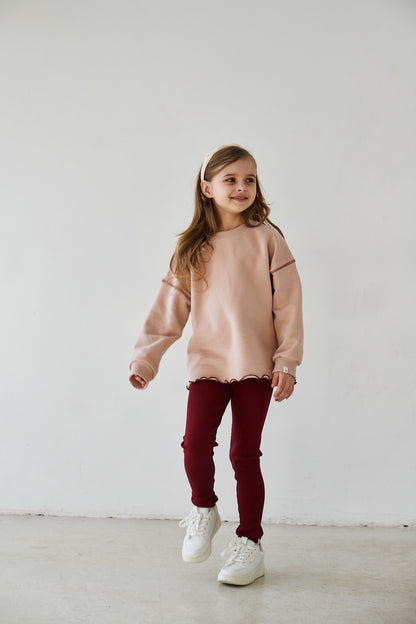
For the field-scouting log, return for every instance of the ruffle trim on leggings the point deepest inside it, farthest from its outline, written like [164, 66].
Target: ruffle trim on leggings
[229, 380]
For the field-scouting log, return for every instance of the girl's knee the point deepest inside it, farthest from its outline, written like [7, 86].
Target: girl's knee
[198, 445]
[241, 457]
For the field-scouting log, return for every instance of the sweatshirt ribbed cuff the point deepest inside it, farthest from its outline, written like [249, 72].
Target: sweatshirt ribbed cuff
[139, 367]
[285, 366]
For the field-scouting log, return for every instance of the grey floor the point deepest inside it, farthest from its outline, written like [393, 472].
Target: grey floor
[62, 570]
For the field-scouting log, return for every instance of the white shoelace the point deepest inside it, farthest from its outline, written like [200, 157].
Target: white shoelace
[196, 522]
[239, 552]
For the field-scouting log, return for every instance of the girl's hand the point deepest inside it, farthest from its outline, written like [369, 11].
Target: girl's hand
[140, 380]
[285, 384]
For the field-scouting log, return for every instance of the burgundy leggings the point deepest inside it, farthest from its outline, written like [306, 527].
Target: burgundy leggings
[207, 401]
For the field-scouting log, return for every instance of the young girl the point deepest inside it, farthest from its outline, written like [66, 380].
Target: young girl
[232, 270]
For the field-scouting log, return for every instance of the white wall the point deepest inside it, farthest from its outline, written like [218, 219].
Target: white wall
[107, 109]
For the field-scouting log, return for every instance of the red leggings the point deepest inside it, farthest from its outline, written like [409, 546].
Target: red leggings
[207, 401]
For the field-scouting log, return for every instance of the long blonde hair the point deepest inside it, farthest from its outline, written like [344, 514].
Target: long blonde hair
[194, 242]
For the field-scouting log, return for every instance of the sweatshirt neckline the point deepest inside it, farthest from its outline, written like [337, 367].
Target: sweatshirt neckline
[226, 233]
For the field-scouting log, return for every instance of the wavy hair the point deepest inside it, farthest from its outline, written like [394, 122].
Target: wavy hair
[193, 247]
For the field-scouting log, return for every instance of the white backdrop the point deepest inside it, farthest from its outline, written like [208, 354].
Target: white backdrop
[107, 109]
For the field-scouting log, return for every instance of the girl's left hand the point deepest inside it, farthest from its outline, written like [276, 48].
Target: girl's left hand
[285, 384]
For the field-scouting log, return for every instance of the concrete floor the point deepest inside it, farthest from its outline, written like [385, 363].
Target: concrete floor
[62, 570]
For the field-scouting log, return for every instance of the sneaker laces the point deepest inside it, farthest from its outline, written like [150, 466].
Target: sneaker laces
[239, 552]
[196, 522]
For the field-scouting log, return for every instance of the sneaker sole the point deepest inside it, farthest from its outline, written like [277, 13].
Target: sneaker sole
[223, 577]
[207, 553]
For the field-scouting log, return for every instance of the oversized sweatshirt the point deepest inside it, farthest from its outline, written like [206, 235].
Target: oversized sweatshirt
[247, 323]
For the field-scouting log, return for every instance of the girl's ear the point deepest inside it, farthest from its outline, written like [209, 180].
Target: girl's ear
[205, 188]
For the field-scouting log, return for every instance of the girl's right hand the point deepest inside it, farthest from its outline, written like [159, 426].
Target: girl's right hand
[140, 380]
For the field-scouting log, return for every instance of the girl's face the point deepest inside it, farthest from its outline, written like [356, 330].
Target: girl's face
[233, 189]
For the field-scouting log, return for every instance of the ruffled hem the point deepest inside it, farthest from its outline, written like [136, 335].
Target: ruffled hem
[230, 380]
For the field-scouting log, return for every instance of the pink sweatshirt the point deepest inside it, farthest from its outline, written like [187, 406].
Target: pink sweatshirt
[248, 323]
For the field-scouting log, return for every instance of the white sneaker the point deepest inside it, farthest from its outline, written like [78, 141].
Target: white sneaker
[202, 524]
[245, 563]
